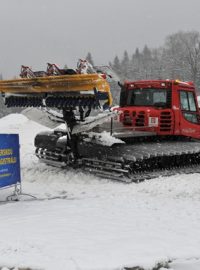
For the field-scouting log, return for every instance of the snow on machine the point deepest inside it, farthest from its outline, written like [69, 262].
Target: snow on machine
[155, 131]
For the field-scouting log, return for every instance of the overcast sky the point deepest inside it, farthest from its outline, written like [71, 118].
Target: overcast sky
[34, 32]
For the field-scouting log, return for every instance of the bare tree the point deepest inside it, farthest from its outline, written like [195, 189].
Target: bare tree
[181, 55]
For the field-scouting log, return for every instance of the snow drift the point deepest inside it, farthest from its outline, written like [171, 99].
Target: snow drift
[98, 224]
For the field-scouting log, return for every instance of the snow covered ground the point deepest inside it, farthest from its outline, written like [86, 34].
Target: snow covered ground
[98, 224]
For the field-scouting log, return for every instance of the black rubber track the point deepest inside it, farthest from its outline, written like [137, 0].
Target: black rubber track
[136, 162]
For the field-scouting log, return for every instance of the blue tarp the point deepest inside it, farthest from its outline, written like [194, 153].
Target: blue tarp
[9, 160]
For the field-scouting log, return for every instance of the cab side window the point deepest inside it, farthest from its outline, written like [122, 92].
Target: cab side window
[191, 101]
[188, 106]
[187, 101]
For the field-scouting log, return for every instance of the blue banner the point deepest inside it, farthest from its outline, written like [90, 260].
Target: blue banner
[9, 160]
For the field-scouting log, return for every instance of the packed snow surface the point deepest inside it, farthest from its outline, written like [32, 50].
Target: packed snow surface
[96, 223]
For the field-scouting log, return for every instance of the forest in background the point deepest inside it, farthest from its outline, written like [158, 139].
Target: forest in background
[178, 58]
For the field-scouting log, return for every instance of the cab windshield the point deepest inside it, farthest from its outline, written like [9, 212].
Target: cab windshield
[148, 97]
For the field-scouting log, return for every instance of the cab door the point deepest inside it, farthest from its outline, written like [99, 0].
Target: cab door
[189, 114]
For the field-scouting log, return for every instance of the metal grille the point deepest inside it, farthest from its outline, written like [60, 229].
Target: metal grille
[165, 121]
[140, 119]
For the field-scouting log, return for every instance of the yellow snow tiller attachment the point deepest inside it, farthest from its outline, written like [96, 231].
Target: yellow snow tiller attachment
[61, 92]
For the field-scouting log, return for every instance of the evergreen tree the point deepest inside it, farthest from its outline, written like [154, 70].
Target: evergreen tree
[137, 53]
[136, 65]
[147, 62]
[89, 58]
[146, 53]
[157, 68]
[125, 65]
[116, 66]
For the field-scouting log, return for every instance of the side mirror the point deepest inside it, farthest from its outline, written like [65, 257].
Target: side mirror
[120, 84]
